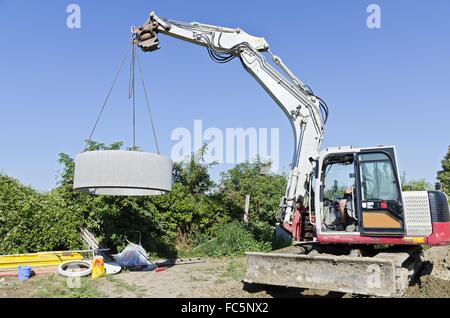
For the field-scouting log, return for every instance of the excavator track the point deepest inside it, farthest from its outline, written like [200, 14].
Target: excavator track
[386, 274]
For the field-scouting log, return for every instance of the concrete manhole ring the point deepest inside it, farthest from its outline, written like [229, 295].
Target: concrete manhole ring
[122, 173]
[75, 268]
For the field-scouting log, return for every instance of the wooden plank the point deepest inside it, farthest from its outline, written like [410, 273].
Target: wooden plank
[37, 259]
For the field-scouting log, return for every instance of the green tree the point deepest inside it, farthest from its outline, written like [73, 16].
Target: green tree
[190, 208]
[444, 175]
[193, 173]
[256, 179]
[265, 190]
[416, 185]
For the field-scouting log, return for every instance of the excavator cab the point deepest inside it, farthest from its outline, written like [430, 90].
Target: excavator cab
[367, 181]
[377, 208]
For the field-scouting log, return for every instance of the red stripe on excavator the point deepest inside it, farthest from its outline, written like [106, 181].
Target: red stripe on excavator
[357, 239]
[439, 237]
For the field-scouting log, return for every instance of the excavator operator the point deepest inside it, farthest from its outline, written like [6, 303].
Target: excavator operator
[344, 205]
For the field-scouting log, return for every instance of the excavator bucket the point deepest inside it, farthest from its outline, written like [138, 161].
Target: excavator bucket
[385, 274]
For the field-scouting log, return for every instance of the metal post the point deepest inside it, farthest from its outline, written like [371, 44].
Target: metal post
[246, 208]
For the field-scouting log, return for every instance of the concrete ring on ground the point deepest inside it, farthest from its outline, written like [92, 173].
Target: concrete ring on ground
[122, 173]
[75, 268]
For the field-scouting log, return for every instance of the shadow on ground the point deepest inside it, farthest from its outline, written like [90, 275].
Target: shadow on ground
[290, 292]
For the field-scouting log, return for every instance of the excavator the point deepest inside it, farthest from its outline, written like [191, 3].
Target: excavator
[350, 227]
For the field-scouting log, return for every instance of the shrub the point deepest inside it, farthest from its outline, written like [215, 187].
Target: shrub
[162, 220]
[232, 239]
[31, 221]
[254, 178]
[193, 213]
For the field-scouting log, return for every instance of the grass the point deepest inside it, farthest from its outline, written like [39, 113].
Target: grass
[54, 286]
[118, 283]
[233, 239]
[235, 270]
[424, 291]
[200, 278]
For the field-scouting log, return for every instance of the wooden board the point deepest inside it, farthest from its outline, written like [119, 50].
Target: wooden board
[37, 259]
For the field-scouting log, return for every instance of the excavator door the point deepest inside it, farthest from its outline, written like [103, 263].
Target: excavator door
[379, 194]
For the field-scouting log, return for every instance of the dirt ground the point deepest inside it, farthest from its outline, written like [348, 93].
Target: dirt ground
[434, 280]
[221, 278]
[214, 278]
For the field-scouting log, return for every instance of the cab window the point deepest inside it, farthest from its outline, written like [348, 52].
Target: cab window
[379, 182]
[339, 176]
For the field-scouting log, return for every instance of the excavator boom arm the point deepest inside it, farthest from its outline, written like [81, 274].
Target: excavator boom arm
[300, 105]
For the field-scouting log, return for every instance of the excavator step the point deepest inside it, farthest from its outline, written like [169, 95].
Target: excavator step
[384, 275]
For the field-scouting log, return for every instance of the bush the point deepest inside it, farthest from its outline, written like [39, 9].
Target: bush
[195, 212]
[264, 187]
[162, 220]
[31, 221]
[233, 239]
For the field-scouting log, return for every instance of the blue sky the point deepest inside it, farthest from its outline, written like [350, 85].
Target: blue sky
[387, 86]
